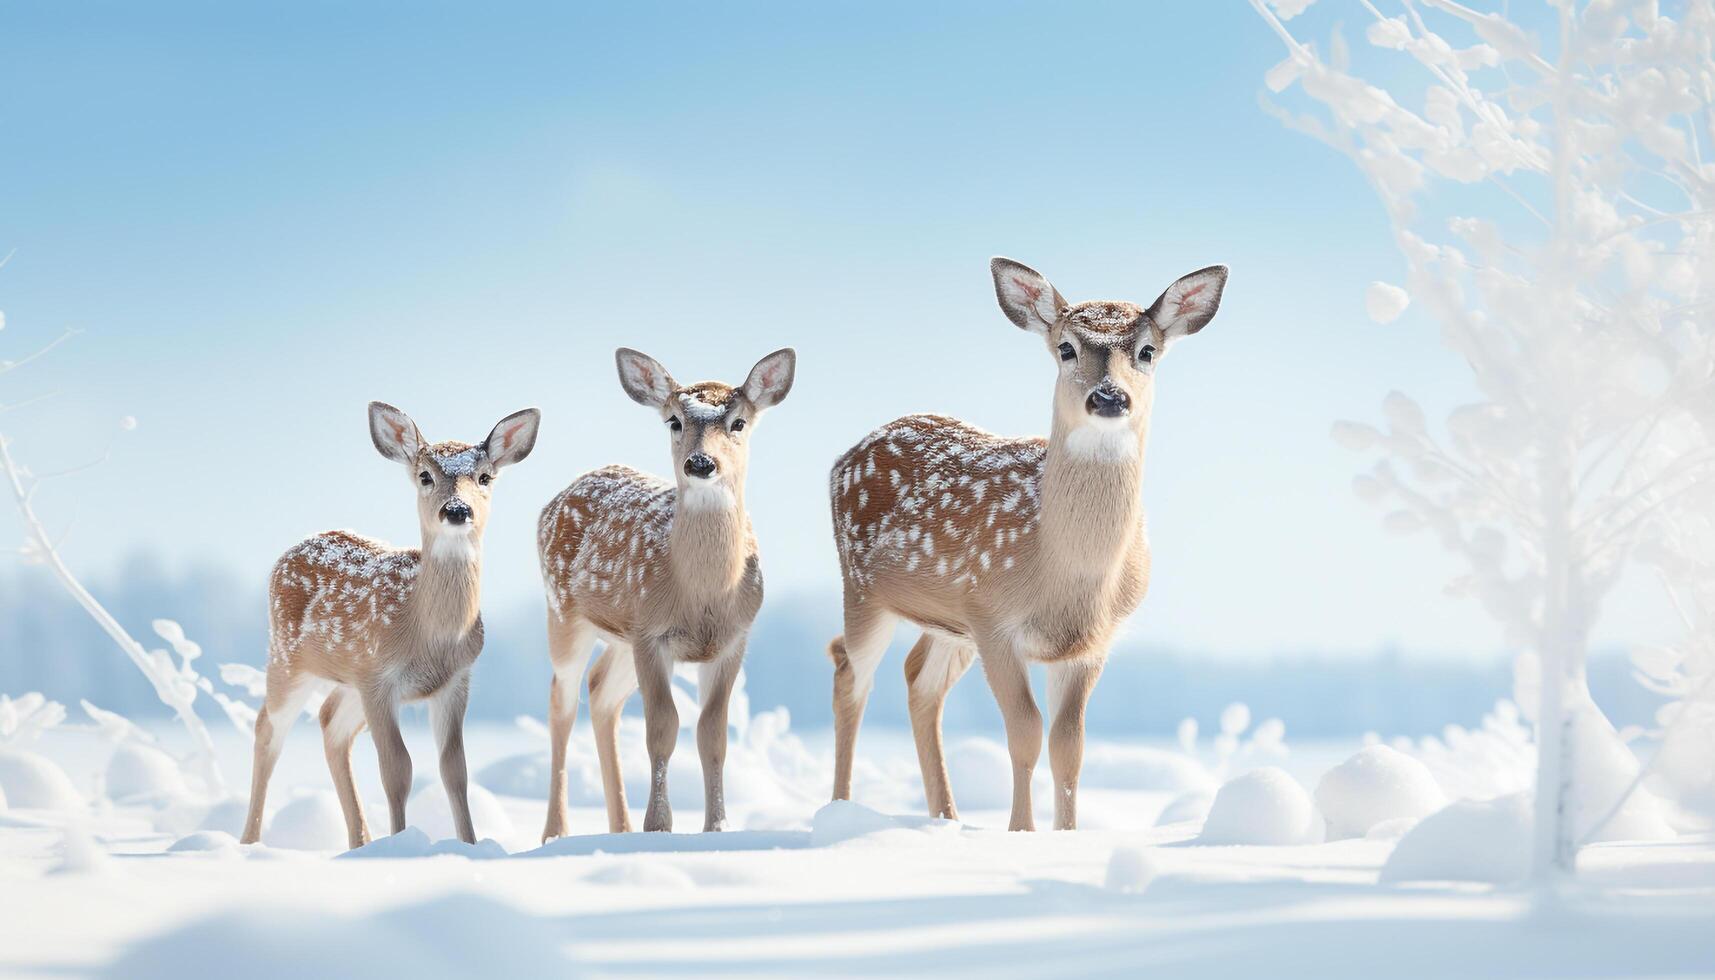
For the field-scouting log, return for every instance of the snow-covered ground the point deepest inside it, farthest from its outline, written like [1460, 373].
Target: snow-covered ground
[151, 885]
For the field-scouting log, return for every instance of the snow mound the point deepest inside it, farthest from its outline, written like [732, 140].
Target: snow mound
[642, 874]
[412, 842]
[1130, 870]
[454, 936]
[1472, 840]
[79, 853]
[206, 842]
[430, 810]
[1186, 807]
[843, 820]
[981, 771]
[1377, 784]
[33, 782]
[139, 772]
[1263, 806]
[312, 822]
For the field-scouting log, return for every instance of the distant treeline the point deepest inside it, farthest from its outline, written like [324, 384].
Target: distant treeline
[47, 644]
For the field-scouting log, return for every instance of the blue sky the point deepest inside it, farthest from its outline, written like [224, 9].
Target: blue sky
[262, 218]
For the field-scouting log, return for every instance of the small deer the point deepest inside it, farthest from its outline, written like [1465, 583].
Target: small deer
[662, 573]
[1020, 549]
[385, 625]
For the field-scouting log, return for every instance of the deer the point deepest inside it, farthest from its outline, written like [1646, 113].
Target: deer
[662, 573]
[385, 625]
[1017, 550]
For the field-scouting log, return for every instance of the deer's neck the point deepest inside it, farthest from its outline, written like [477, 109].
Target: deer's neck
[1091, 505]
[448, 596]
[710, 540]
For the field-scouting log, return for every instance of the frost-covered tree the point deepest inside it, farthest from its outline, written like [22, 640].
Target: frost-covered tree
[176, 683]
[1543, 171]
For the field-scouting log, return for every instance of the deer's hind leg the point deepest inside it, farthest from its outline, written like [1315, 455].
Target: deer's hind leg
[934, 665]
[287, 692]
[570, 641]
[613, 677]
[856, 654]
[342, 720]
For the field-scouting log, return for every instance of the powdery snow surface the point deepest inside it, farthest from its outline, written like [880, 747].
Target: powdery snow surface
[801, 887]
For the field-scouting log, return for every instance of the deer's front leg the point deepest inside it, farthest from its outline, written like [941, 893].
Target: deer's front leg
[714, 690]
[1009, 678]
[661, 722]
[446, 713]
[381, 711]
[1069, 685]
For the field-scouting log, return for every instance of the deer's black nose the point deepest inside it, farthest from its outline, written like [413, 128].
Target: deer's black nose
[700, 465]
[1108, 402]
[455, 512]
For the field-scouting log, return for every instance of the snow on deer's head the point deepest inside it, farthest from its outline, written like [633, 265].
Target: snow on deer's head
[454, 480]
[1107, 350]
[708, 423]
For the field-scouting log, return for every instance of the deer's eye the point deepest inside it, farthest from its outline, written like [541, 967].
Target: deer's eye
[738, 425]
[1146, 353]
[674, 424]
[485, 479]
[1066, 351]
[425, 479]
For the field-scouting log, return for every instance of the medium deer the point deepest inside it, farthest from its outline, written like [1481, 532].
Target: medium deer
[663, 573]
[385, 625]
[1020, 549]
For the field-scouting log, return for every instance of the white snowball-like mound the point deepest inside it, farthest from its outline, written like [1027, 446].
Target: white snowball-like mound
[642, 874]
[1263, 806]
[1130, 870]
[412, 842]
[981, 771]
[1472, 840]
[455, 935]
[2, 800]
[34, 782]
[430, 810]
[1378, 783]
[80, 853]
[312, 822]
[1384, 301]
[1186, 807]
[206, 842]
[226, 816]
[843, 820]
[142, 772]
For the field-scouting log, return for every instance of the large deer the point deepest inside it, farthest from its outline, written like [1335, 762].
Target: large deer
[386, 625]
[1020, 549]
[663, 573]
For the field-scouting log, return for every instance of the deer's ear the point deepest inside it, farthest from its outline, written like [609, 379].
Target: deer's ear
[395, 435]
[771, 378]
[643, 378]
[1190, 303]
[513, 438]
[1026, 296]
